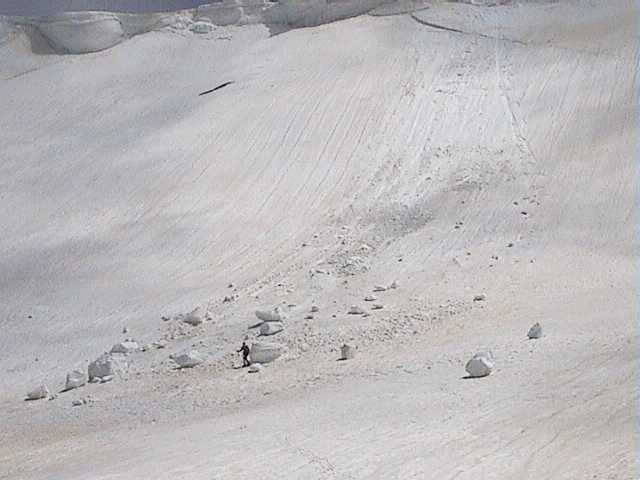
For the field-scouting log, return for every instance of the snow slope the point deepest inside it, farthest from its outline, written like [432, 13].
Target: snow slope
[460, 149]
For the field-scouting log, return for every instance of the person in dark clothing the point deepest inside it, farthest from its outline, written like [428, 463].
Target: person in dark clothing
[245, 354]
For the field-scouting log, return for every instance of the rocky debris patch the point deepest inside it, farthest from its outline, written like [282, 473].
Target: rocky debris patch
[271, 328]
[75, 379]
[535, 331]
[370, 298]
[187, 358]
[480, 365]
[180, 330]
[480, 298]
[354, 265]
[38, 393]
[128, 346]
[263, 352]
[255, 368]
[356, 310]
[347, 352]
[275, 315]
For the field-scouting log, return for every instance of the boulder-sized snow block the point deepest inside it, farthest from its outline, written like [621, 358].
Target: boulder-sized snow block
[535, 331]
[125, 347]
[187, 358]
[274, 315]
[263, 352]
[479, 366]
[271, 328]
[39, 393]
[75, 379]
[103, 366]
[347, 352]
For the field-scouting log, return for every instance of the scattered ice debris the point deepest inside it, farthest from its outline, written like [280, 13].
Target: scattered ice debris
[88, 400]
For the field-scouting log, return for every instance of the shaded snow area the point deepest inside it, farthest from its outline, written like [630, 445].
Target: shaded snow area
[418, 217]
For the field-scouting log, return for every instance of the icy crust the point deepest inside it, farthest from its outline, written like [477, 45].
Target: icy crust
[86, 32]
